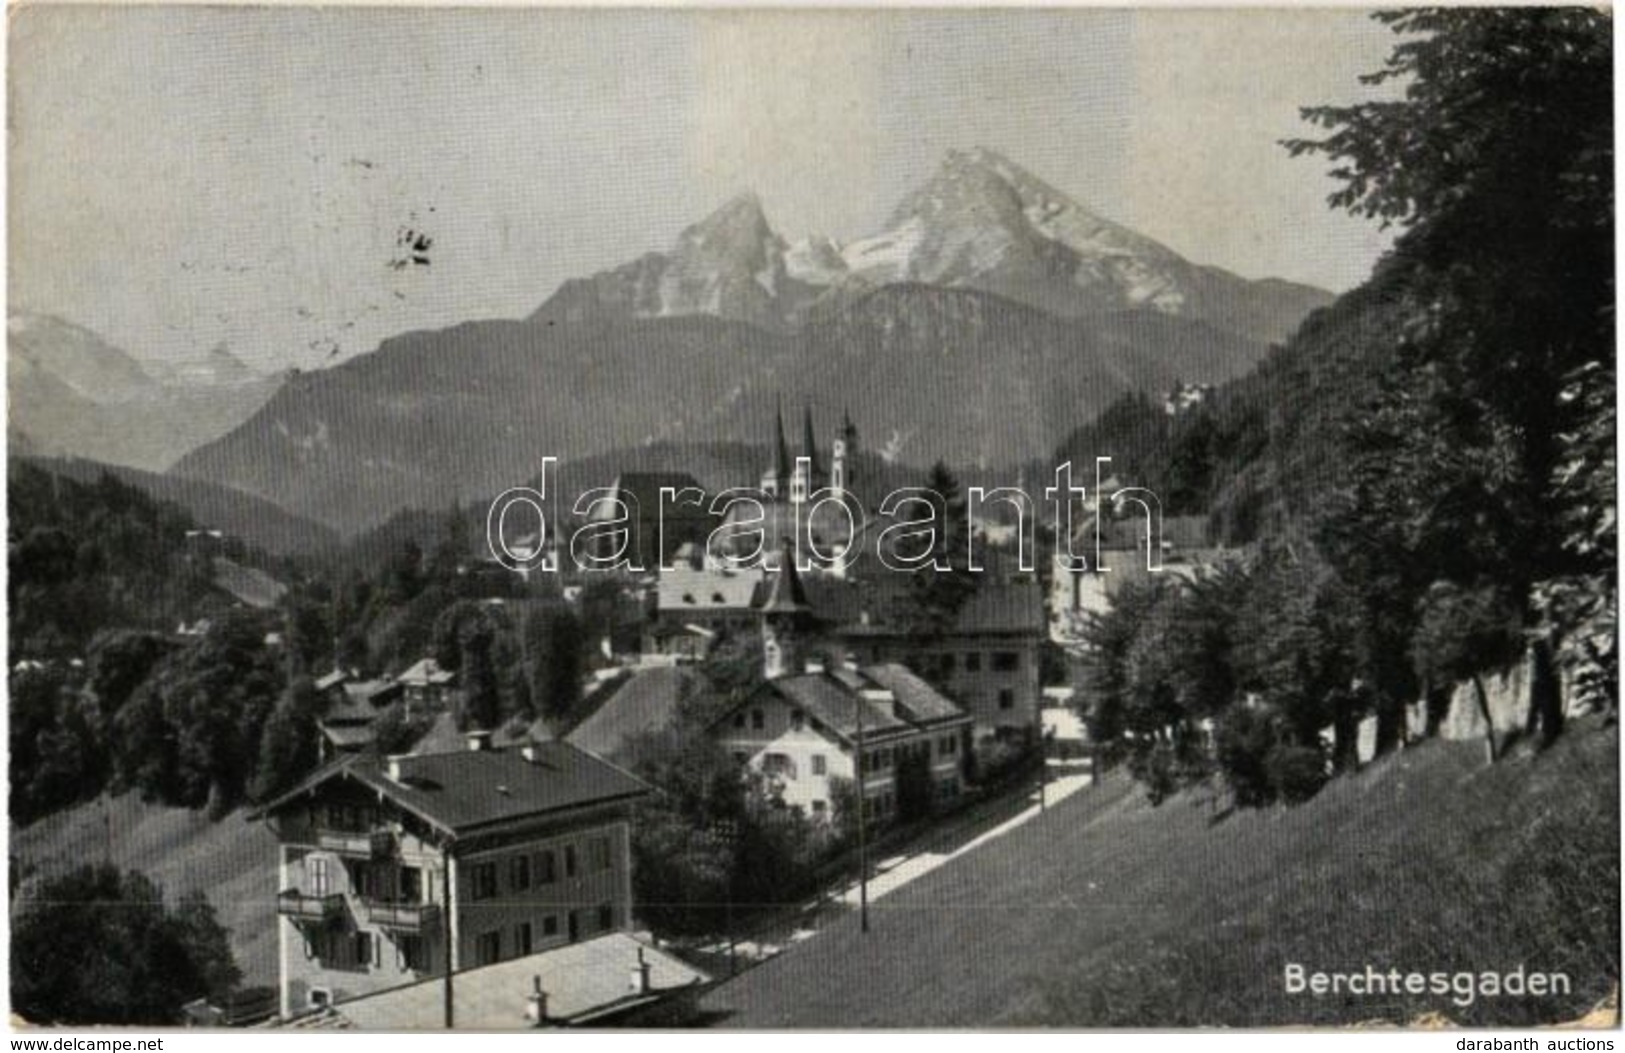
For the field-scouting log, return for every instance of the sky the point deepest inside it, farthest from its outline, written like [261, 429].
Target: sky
[184, 177]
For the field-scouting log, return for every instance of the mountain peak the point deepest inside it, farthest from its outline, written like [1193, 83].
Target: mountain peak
[740, 217]
[980, 221]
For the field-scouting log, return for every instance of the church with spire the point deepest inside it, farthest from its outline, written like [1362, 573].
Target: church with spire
[796, 481]
[792, 481]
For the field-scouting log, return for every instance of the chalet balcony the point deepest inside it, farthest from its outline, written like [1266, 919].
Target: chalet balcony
[373, 844]
[410, 918]
[291, 903]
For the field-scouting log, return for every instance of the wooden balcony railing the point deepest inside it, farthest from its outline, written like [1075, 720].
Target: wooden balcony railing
[403, 917]
[291, 903]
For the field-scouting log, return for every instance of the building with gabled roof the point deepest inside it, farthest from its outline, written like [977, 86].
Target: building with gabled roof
[426, 687]
[399, 870]
[648, 702]
[613, 980]
[353, 708]
[809, 723]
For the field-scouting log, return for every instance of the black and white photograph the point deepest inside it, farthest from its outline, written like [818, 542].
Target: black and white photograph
[887, 518]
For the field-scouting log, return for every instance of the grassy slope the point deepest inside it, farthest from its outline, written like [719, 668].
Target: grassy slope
[1106, 912]
[232, 861]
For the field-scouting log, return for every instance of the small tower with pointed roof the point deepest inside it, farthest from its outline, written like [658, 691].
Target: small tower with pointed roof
[846, 445]
[776, 481]
[786, 618]
[807, 478]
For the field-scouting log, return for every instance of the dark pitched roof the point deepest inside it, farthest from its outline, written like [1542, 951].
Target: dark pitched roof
[867, 608]
[922, 703]
[836, 705]
[785, 593]
[464, 791]
[1003, 607]
[647, 702]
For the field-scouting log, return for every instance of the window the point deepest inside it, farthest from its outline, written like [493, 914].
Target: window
[409, 952]
[364, 879]
[946, 663]
[798, 720]
[1007, 699]
[319, 880]
[363, 948]
[1006, 661]
[484, 881]
[550, 925]
[488, 947]
[778, 765]
[409, 882]
[320, 997]
[598, 853]
[519, 873]
[569, 861]
[758, 721]
[741, 757]
[973, 662]
[739, 719]
[521, 939]
[546, 869]
[606, 917]
[819, 808]
[819, 765]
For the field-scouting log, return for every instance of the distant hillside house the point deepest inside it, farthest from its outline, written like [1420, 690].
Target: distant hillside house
[353, 707]
[390, 873]
[426, 687]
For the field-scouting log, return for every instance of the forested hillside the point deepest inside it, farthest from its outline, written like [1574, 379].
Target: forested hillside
[1424, 474]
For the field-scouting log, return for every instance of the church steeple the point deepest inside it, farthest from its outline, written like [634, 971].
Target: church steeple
[776, 480]
[809, 446]
[782, 463]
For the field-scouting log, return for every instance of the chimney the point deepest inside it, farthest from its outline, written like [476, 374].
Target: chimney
[479, 741]
[536, 1010]
[394, 767]
[531, 753]
[882, 700]
[640, 975]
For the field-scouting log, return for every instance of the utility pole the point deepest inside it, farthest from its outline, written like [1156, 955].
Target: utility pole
[863, 825]
[1043, 764]
[445, 912]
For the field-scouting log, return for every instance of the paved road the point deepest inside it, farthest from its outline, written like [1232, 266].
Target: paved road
[951, 839]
